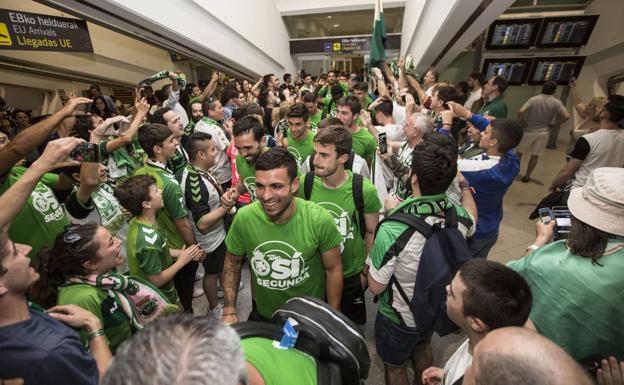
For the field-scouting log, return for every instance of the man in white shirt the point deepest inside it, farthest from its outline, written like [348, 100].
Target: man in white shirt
[210, 124]
[475, 81]
[483, 296]
[172, 92]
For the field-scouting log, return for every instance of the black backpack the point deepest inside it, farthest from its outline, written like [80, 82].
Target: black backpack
[444, 252]
[357, 187]
[327, 335]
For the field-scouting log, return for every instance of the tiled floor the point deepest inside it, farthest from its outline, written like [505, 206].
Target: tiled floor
[516, 233]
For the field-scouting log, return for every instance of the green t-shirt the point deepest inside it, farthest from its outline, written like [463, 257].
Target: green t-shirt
[364, 144]
[285, 259]
[41, 218]
[148, 254]
[279, 366]
[339, 202]
[315, 119]
[247, 173]
[495, 107]
[301, 149]
[115, 322]
[172, 198]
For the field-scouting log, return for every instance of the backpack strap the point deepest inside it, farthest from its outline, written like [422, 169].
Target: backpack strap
[311, 163]
[415, 222]
[349, 164]
[308, 182]
[410, 220]
[357, 187]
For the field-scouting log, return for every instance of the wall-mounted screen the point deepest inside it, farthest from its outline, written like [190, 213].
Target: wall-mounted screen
[559, 69]
[570, 31]
[515, 70]
[512, 33]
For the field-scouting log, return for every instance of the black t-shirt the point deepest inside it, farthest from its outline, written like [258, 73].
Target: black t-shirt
[42, 350]
[581, 149]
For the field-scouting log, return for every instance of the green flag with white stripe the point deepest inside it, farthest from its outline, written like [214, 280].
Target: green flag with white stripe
[378, 43]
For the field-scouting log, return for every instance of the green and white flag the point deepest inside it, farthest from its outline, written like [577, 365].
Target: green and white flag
[378, 43]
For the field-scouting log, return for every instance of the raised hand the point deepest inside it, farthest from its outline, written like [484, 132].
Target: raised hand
[56, 154]
[69, 109]
[75, 316]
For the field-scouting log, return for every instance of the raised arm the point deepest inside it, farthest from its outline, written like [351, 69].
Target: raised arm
[381, 83]
[142, 107]
[35, 135]
[578, 102]
[211, 87]
[56, 155]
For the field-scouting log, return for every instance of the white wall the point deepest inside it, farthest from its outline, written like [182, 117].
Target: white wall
[302, 7]
[429, 26]
[604, 50]
[249, 35]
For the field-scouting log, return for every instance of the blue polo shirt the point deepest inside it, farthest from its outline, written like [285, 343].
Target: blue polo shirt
[42, 350]
[490, 176]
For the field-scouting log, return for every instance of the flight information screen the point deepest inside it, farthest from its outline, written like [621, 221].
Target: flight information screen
[566, 31]
[559, 69]
[509, 34]
[515, 70]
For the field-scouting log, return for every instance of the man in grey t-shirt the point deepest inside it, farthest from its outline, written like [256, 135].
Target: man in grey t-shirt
[539, 114]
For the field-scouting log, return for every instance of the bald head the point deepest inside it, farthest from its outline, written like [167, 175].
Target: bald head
[519, 356]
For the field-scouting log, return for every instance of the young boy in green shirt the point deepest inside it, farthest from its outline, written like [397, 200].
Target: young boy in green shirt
[148, 254]
[160, 144]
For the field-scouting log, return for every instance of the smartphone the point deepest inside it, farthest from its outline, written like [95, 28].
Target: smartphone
[85, 152]
[545, 214]
[383, 143]
[142, 93]
[561, 215]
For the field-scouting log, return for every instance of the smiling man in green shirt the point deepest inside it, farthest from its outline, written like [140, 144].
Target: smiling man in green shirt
[292, 244]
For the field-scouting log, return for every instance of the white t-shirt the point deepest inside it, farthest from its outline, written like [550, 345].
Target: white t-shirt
[221, 169]
[456, 365]
[394, 132]
[474, 96]
[398, 113]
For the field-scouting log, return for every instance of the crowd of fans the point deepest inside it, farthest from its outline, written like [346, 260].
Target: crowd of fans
[115, 217]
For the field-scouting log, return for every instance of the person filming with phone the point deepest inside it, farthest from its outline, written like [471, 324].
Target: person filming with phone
[577, 282]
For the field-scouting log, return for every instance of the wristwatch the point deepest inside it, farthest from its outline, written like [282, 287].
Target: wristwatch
[464, 185]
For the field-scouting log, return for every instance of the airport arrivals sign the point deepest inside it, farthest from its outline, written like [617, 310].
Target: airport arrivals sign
[34, 32]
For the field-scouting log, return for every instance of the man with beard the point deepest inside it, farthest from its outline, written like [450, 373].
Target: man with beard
[293, 244]
[248, 135]
[353, 202]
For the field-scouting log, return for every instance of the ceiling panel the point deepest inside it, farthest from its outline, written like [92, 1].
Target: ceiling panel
[341, 23]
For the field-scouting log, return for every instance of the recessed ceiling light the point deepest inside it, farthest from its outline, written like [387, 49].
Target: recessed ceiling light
[336, 25]
[329, 17]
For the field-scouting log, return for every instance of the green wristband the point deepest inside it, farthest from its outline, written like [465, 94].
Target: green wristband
[95, 334]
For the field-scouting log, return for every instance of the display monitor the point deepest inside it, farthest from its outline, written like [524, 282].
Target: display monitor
[566, 32]
[515, 70]
[513, 33]
[559, 69]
